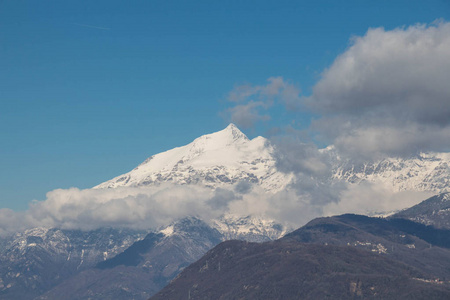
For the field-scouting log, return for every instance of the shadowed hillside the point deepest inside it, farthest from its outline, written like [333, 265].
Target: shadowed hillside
[292, 270]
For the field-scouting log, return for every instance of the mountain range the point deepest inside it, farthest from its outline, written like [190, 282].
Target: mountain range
[48, 263]
[33, 261]
[228, 157]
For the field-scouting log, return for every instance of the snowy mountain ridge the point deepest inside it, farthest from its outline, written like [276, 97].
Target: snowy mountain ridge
[423, 172]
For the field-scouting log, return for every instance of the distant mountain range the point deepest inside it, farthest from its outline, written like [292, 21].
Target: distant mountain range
[417, 256]
[422, 172]
[145, 267]
[49, 263]
[33, 261]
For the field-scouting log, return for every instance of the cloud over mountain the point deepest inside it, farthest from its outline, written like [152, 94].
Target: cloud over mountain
[386, 95]
[144, 208]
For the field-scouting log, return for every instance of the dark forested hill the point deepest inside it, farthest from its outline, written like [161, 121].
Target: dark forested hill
[292, 270]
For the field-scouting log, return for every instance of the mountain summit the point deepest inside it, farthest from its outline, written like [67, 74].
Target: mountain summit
[212, 160]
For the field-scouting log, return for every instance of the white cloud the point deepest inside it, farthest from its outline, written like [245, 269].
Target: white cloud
[246, 115]
[370, 197]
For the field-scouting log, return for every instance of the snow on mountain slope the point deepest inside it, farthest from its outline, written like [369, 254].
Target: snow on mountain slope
[213, 160]
[233, 227]
[249, 228]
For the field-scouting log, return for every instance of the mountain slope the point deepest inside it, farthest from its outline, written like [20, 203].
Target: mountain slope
[433, 211]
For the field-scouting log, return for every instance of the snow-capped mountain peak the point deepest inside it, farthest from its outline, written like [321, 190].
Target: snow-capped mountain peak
[230, 135]
[229, 138]
[221, 158]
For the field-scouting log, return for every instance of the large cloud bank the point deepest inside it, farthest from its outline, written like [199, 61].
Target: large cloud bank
[388, 94]
[151, 208]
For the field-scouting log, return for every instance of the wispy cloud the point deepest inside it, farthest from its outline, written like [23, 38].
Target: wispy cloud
[91, 26]
[251, 102]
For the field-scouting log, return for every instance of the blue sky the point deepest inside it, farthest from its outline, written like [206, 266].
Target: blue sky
[89, 89]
